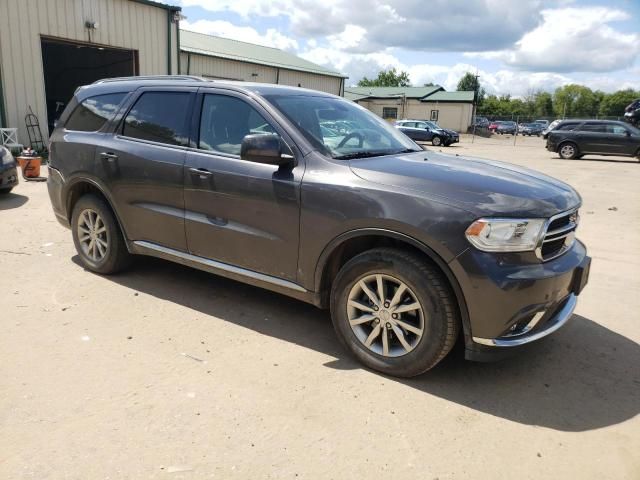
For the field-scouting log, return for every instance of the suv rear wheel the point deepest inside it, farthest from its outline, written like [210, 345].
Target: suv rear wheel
[568, 150]
[97, 236]
[394, 312]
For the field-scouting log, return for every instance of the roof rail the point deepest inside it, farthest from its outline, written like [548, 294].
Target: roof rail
[152, 77]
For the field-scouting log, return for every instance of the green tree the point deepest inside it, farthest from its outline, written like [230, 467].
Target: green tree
[387, 78]
[470, 82]
[496, 106]
[614, 103]
[543, 104]
[575, 101]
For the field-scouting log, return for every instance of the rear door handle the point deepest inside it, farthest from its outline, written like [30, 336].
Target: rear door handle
[109, 156]
[201, 172]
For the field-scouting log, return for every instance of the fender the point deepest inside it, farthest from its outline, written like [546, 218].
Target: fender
[101, 187]
[428, 251]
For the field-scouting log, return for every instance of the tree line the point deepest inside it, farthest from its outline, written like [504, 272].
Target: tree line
[567, 101]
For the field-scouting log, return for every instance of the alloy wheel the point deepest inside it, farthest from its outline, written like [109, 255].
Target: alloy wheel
[92, 235]
[567, 151]
[385, 315]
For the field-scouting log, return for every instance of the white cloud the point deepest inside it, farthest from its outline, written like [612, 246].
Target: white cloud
[433, 25]
[271, 38]
[573, 40]
[538, 49]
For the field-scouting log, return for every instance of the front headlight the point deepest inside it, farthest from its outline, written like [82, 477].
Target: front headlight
[505, 234]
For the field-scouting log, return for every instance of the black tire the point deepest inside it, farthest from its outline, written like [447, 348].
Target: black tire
[568, 150]
[5, 191]
[117, 257]
[432, 291]
[436, 141]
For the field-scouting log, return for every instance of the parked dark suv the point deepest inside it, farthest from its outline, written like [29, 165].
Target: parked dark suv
[577, 138]
[407, 247]
[422, 131]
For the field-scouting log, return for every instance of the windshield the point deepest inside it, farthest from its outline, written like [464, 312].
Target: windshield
[341, 129]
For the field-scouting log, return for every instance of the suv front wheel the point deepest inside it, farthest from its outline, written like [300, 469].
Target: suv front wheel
[97, 236]
[394, 311]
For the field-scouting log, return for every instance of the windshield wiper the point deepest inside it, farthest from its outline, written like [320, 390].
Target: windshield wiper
[371, 153]
[364, 154]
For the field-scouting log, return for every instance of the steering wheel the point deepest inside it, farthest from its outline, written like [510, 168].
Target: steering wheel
[351, 135]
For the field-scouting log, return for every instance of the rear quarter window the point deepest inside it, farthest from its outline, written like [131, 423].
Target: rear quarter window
[159, 117]
[93, 112]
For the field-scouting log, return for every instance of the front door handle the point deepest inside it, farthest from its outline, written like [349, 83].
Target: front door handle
[109, 156]
[201, 172]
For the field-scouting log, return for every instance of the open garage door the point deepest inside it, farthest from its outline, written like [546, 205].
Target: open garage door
[68, 65]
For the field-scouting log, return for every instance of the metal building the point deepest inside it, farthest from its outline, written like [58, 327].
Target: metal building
[50, 47]
[222, 58]
[449, 109]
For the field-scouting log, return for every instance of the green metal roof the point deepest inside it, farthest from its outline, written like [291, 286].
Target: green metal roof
[154, 3]
[212, 46]
[358, 93]
[442, 96]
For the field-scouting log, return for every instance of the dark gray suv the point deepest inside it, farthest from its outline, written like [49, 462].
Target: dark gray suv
[410, 249]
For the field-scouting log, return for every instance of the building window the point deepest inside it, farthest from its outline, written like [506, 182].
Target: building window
[389, 112]
[434, 115]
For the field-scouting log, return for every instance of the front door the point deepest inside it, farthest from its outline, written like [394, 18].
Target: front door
[143, 163]
[621, 140]
[236, 211]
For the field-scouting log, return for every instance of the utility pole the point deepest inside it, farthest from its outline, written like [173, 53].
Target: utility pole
[476, 92]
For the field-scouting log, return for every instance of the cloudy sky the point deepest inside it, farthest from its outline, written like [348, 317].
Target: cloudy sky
[515, 46]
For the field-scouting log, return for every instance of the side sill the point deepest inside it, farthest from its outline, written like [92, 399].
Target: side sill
[233, 272]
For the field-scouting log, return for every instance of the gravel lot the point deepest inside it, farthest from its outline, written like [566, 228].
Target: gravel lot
[167, 372]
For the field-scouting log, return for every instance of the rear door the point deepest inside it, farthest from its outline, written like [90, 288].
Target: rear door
[593, 138]
[143, 162]
[239, 212]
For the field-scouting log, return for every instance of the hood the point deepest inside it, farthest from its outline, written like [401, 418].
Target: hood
[483, 187]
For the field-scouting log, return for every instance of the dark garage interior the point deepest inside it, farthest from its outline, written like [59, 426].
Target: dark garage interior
[68, 65]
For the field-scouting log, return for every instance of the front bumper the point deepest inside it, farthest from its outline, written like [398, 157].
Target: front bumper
[515, 301]
[8, 176]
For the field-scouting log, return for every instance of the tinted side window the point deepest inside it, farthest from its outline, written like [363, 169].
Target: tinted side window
[617, 129]
[594, 127]
[93, 112]
[159, 117]
[567, 126]
[225, 121]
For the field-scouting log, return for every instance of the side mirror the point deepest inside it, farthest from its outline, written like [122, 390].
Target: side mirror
[265, 148]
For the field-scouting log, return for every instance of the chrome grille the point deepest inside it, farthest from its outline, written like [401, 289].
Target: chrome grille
[559, 235]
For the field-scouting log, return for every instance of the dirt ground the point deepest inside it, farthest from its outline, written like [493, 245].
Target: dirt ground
[167, 372]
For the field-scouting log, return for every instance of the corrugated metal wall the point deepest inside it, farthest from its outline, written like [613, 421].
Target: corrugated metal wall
[323, 83]
[236, 70]
[121, 23]
[456, 116]
[194, 64]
